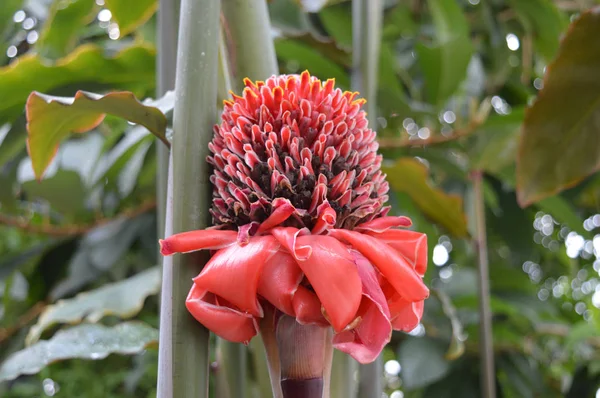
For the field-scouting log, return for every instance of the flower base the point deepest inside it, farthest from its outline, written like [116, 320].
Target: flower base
[302, 388]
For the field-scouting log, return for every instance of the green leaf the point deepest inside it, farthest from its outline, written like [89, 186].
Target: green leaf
[129, 15]
[52, 119]
[338, 24]
[129, 68]
[445, 63]
[12, 140]
[580, 333]
[63, 26]
[560, 144]
[99, 250]
[8, 9]
[544, 21]
[422, 361]
[123, 299]
[562, 211]
[84, 342]
[399, 22]
[410, 176]
[307, 58]
[64, 191]
[496, 142]
[457, 345]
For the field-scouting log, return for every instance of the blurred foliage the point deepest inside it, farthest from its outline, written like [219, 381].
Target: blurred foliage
[464, 86]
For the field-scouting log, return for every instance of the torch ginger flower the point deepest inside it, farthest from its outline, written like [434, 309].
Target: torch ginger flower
[300, 226]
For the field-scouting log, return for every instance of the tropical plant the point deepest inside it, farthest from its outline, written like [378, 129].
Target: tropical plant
[486, 117]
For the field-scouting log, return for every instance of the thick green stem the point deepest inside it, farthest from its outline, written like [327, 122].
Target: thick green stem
[183, 341]
[366, 34]
[234, 364]
[168, 12]
[260, 367]
[248, 34]
[488, 375]
[343, 373]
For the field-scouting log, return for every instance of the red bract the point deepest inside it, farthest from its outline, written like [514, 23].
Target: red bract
[300, 224]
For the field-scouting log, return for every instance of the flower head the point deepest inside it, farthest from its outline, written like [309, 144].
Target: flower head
[296, 139]
[300, 225]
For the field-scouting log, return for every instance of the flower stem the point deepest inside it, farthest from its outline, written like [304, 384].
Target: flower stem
[366, 33]
[343, 384]
[488, 375]
[168, 11]
[183, 356]
[248, 35]
[303, 354]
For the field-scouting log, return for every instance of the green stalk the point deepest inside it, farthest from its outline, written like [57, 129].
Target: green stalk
[366, 35]
[261, 367]
[343, 384]
[231, 357]
[248, 35]
[184, 346]
[168, 11]
[488, 374]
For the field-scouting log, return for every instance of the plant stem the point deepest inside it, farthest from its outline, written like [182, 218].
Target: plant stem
[234, 365]
[184, 362]
[168, 11]
[248, 33]
[344, 368]
[260, 365]
[488, 375]
[366, 34]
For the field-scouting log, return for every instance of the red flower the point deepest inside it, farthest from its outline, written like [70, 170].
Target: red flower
[300, 224]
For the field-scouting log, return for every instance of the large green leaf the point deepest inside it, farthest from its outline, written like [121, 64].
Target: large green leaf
[129, 15]
[543, 20]
[560, 144]
[294, 51]
[563, 212]
[99, 250]
[85, 341]
[410, 176]
[130, 68]
[64, 191]
[52, 119]
[9, 7]
[63, 26]
[496, 142]
[444, 63]
[422, 361]
[123, 299]
[338, 23]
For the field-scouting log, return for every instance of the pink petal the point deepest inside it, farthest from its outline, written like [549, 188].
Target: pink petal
[405, 315]
[326, 218]
[384, 223]
[191, 241]
[307, 308]
[225, 322]
[394, 267]
[329, 268]
[411, 245]
[365, 342]
[282, 210]
[279, 281]
[233, 273]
